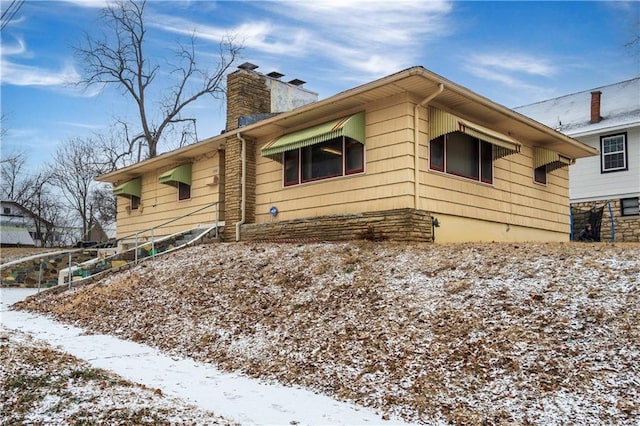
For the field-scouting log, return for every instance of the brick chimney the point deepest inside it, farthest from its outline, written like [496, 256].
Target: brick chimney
[251, 93]
[595, 106]
[252, 96]
[247, 94]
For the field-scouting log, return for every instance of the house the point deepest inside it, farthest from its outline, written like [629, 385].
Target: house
[21, 227]
[608, 119]
[411, 156]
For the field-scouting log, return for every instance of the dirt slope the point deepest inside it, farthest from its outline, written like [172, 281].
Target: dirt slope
[463, 333]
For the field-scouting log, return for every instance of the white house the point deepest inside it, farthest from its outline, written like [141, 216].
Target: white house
[606, 118]
[21, 227]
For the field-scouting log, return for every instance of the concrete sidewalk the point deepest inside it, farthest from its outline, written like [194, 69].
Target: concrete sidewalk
[246, 400]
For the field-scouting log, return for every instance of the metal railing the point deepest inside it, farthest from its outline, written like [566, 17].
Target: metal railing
[98, 265]
[136, 235]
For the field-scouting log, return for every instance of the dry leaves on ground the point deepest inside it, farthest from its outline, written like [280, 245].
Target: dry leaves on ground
[41, 385]
[460, 333]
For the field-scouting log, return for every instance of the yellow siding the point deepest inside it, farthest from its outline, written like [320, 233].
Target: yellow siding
[386, 184]
[513, 199]
[530, 211]
[455, 229]
[159, 203]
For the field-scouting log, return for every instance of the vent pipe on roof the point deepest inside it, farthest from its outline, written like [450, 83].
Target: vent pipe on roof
[595, 106]
[247, 66]
[297, 82]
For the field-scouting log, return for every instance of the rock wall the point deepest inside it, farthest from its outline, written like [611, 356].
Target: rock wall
[626, 228]
[397, 225]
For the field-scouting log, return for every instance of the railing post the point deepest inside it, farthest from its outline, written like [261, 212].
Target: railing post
[217, 217]
[135, 259]
[153, 243]
[69, 269]
[40, 275]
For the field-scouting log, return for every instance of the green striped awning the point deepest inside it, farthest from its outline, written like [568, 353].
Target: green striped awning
[180, 174]
[352, 126]
[128, 189]
[551, 159]
[442, 122]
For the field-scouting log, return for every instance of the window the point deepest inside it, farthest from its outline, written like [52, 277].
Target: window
[540, 175]
[184, 191]
[629, 207]
[6, 210]
[613, 151]
[336, 157]
[135, 202]
[459, 154]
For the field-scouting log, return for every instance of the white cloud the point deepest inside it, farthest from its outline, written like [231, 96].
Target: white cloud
[26, 75]
[63, 80]
[18, 48]
[263, 36]
[95, 127]
[514, 62]
[528, 77]
[372, 38]
[14, 73]
[94, 4]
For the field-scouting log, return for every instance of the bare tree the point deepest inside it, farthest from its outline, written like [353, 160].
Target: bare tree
[3, 127]
[104, 206]
[33, 192]
[44, 206]
[114, 148]
[120, 59]
[11, 171]
[74, 169]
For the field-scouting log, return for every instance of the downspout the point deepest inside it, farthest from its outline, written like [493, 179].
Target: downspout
[416, 144]
[243, 195]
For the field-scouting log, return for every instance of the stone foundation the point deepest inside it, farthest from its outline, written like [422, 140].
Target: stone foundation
[626, 228]
[397, 225]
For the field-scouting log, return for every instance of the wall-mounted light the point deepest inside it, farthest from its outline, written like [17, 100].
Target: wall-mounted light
[273, 211]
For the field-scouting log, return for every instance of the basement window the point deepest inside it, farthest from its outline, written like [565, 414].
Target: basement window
[613, 153]
[629, 207]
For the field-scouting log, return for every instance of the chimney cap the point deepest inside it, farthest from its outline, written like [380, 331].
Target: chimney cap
[297, 82]
[247, 66]
[275, 74]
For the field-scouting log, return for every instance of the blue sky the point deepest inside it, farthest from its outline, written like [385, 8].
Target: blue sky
[514, 53]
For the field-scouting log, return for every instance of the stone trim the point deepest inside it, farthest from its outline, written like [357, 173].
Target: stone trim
[397, 225]
[626, 228]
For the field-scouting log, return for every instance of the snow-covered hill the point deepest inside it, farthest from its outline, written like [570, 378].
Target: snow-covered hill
[461, 333]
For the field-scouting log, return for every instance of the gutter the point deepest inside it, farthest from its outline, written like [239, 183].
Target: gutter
[416, 144]
[243, 194]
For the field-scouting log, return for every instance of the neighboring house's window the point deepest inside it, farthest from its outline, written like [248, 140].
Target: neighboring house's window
[337, 157]
[7, 210]
[613, 151]
[629, 207]
[540, 175]
[184, 191]
[135, 202]
[462, 155]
